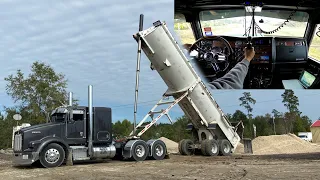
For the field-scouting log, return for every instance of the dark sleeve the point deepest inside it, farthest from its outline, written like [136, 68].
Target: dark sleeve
[234, 79]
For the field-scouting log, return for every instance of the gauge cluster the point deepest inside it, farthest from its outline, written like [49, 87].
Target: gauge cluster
[262, 47]
[214, 47]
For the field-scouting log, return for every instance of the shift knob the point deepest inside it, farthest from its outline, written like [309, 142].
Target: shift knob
[249, 44]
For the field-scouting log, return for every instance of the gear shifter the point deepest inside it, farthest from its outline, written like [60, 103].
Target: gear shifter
[249, 44]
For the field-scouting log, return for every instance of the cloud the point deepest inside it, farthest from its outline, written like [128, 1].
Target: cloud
[91, 43]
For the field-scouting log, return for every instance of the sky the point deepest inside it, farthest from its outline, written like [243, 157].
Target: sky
[91, 43]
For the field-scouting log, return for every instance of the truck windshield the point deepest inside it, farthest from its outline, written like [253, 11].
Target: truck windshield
[302, 136]
[239, 22]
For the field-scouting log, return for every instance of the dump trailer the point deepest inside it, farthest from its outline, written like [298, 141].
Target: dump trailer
[213, 133]
[79, 133]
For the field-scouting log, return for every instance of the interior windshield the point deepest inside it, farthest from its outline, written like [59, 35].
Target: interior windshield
[239, 23]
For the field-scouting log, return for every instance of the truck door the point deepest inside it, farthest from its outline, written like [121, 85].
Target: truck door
[75, 128]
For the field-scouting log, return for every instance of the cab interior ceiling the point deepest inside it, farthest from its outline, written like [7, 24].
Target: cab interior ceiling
[208, 4]
[190, 7]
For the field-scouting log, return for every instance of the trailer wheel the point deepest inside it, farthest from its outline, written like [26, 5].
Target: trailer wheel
[212, 147]
[180, 147]
[139, 151]
[52, 155]
[225, 148]
[187, 147]
[159, 150]
[203, 147]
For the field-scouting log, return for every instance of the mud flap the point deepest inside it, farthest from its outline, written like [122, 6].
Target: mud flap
[69, 161]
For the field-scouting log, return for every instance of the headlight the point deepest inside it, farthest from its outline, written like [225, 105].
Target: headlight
[31, 145]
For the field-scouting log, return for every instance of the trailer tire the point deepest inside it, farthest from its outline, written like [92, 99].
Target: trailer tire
[212, 147]
[225, 148]
[180, 146]
[185, 147]
[159, 150]
[140, 151]
[203, 147]
[56, 156]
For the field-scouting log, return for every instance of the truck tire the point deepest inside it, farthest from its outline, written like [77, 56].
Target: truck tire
[225, 148]
[212, 147]
[180, 146]
[139, 151]
[53, 155]
[186, 147]
[159, 150]
[203, 147]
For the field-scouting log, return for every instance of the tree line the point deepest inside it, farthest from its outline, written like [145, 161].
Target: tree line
[35, 96]
[273, 123]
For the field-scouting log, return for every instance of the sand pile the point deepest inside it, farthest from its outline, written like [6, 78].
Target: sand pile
[172, 147]
[280, 144]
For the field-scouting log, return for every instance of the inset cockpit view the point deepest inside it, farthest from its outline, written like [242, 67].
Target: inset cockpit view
[285, 36]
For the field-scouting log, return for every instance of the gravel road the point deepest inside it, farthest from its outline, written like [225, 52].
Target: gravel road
[294, 166]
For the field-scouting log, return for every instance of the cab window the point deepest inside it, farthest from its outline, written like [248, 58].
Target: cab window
[58, 117]
[314, 50]
[183, 29]
[78, 115]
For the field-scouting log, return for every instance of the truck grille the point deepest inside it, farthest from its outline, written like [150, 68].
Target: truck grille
[17, 142]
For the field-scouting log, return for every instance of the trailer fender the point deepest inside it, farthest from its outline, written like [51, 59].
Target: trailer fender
[47, 140]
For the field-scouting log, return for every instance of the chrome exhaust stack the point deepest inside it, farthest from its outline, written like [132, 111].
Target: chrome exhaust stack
[70, 98]
[90, 135]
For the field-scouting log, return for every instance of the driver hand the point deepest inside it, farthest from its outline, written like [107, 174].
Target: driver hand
[249, 54]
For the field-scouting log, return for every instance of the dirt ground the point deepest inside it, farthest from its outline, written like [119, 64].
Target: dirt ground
[294, 166]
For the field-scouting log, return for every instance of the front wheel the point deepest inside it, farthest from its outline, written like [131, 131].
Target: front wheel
[52, 156]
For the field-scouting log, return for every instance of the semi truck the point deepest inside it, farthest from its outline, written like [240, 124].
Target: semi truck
[78, 133]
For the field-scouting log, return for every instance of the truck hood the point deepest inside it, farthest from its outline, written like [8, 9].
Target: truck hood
[39, 126]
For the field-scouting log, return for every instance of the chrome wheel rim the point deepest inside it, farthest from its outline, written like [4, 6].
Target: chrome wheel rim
[52, 156]
[214, 149]
[159, 150]
[140, 151]
[226, 148]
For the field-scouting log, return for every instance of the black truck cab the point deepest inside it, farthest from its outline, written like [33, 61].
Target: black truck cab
[76, 134]
[68, 127]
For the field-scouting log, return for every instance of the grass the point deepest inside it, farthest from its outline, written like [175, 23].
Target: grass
[186, 36]
[315, 52]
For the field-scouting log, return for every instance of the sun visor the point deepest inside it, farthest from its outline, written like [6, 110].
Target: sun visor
[279, 14]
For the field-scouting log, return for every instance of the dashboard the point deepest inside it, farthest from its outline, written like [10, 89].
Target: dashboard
[262, 47]
[275, 58]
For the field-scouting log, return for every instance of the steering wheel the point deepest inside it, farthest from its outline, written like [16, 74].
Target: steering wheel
[212, 61]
